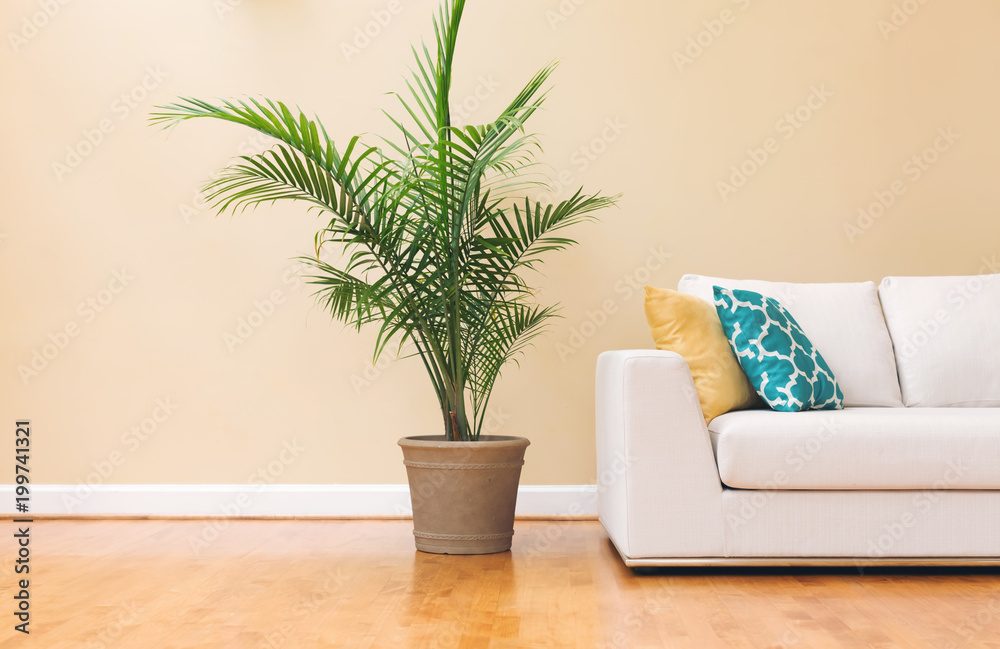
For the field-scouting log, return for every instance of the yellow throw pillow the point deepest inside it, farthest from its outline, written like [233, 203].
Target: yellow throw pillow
[690, 326]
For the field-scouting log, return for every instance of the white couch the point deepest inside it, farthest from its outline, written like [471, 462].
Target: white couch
[907, 473]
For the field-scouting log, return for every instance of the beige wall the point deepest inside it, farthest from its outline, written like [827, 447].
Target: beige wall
[131, 204]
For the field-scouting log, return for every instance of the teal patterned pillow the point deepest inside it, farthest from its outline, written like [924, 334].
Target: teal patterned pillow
[783, 366]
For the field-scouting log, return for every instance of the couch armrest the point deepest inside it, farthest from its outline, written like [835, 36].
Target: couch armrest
[659, 492]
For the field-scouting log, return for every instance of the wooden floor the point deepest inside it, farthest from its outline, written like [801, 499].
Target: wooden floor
[304, 584]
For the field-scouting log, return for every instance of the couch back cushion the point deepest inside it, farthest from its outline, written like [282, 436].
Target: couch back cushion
[843, 321]
[946, 333]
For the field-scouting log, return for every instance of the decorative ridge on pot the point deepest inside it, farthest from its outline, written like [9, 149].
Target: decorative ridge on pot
[463, 493]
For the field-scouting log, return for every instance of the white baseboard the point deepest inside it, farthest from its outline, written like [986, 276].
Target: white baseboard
[267, 500]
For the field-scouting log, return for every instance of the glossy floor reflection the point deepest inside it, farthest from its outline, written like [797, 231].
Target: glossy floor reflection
[304, 584]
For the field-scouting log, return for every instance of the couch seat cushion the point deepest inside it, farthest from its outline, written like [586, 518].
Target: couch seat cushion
[859, 448]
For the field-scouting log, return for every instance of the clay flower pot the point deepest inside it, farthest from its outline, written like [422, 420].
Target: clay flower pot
[463, 493]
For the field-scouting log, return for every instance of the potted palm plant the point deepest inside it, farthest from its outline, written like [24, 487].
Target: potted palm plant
[437, 238]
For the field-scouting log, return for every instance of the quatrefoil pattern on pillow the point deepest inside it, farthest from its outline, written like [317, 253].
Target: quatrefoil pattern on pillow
[784, 367]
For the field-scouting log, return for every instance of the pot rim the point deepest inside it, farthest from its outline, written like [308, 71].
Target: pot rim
[439, 441]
